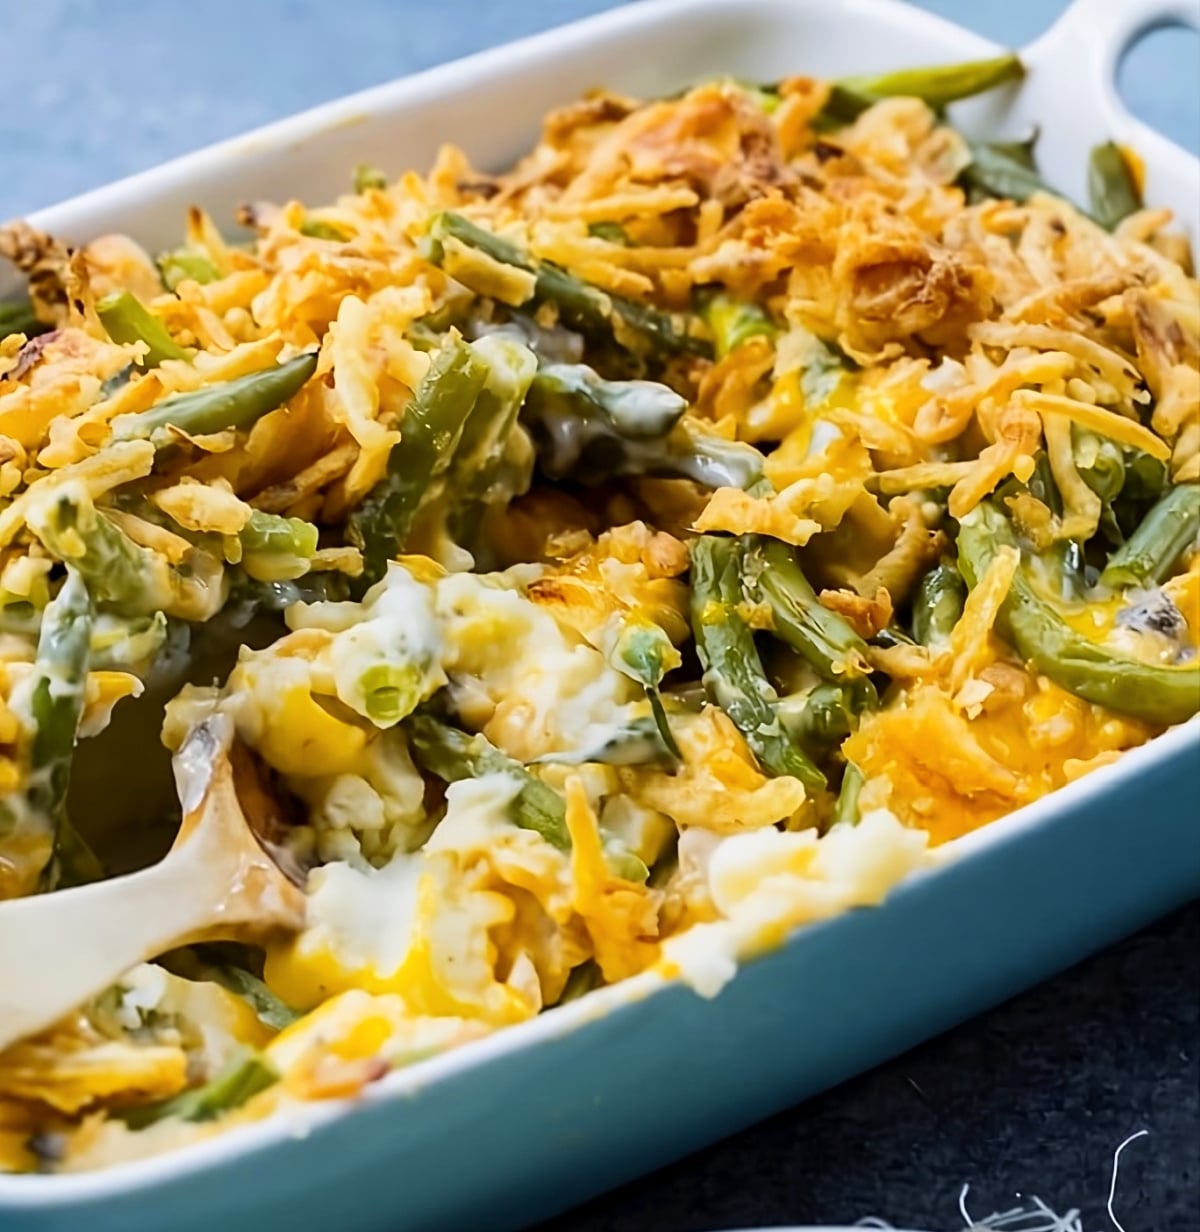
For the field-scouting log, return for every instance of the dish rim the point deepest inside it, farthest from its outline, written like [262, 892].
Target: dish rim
[19, 1191]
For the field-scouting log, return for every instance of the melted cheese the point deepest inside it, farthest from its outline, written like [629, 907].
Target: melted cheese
[530, 684]
[948, 773]
[765, 883]
[413, 928]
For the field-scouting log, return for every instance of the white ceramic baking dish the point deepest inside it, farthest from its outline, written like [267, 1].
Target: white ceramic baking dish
[543, 1115]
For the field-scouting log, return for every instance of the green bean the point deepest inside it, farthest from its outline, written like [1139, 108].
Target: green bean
[635, 410]
[634, 743]
[267, 1007]
[248, 594]
[1151, 552]
[733, 672]
[552, 344]
[821, 717]
[822, 373]
[1100, 463]
[1021, 150]
[18, 615]
[1040, 485]
[236, 968]
[20, 318]
[452, 755]
[733, 322]
[120, 571]
[276, 549]
[487, 469]
[798, 618]
[582, 980]
[1112, 192]
[268, 532]
[831, 713]
[127, 320]
[135, 580]
[423, 337]
[664, 868]
[709, 460]
[625, 864]
[431, 430]
[612, 232]
[938, 86]
[939, 605]
[765, 97]
[892, 635]
[367, 176]
[1068, 569]
[318, 229]
[574, 438]
[689, 698]
[1006, 170]
[1156, 693]
[642, 652]
[244, 1075]
[115, 383]
[996, 171]
[393, 682]
[392, 690]
[942, 84]
[239, 403]
[511, 367]
[842, 106]
[185, 265]
[60, 684]
[127, 645]
[847, 812]
[659, 713]
[1145, 480]
[581, 306]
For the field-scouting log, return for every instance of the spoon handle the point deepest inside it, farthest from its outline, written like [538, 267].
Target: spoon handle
[58, 950]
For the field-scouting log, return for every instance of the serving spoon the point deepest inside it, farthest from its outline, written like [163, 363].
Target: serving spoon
[223, 879]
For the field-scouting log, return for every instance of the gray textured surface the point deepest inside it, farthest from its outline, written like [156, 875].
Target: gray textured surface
[1032, 1097]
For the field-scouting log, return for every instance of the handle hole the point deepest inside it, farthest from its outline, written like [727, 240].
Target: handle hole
[1158, 79]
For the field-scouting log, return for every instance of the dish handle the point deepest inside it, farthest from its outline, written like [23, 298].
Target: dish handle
[1084, 49]
[1069, 98]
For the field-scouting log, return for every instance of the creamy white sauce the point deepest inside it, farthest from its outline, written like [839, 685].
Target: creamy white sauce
[516, 673]
[141, 990]
[476, 811]
[399, 630]
[365, 916]
[763, 882]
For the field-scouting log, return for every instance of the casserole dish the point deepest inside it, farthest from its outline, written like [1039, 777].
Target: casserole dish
[534, 1095]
